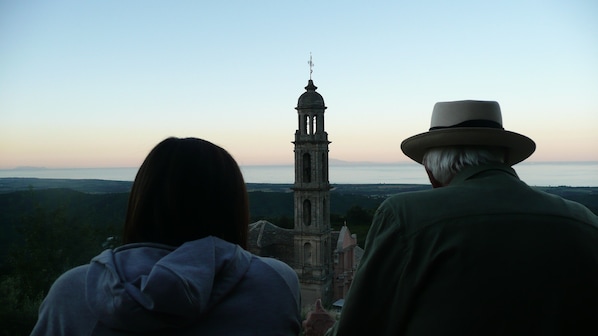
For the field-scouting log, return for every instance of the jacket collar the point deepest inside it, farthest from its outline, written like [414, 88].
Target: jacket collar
[470, 172]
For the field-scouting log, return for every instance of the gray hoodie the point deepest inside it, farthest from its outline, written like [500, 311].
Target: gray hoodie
[204, 287]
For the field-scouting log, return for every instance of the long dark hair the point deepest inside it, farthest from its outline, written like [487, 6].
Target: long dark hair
[187, 189]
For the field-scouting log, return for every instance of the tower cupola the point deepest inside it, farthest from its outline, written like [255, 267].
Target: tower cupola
[310, 109]
[310, 98]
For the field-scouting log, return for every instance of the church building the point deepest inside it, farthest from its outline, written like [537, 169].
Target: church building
[312, 241]
[324, 260]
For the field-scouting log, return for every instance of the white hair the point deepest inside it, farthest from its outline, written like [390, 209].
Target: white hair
[445, 162]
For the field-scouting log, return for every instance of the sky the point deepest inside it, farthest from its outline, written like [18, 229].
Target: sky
[100, 83]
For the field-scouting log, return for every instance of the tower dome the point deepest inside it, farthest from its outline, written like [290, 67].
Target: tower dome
[310, 98]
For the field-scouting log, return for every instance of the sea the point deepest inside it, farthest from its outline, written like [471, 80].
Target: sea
[545, 174]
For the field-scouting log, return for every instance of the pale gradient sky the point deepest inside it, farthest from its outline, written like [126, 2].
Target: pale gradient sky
[99, 83]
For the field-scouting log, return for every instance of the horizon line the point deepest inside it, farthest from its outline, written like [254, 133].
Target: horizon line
[333, 162]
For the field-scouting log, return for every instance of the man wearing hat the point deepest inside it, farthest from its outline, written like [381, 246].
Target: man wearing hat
[481, 253]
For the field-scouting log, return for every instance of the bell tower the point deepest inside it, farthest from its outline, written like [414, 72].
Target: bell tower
[312, 236]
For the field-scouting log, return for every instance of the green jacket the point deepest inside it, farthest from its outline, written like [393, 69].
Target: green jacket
[486, 255]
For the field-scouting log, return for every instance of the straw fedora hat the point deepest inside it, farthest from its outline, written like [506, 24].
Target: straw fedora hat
[468, 123]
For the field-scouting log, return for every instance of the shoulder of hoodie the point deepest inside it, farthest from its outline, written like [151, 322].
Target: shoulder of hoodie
[64, 302]
[70, 279]
[277, 265]
[281, 268]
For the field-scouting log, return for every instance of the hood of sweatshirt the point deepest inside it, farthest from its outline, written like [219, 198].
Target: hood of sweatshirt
[144, 287]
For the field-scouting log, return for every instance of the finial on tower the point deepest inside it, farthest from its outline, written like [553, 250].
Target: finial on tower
[311, 66]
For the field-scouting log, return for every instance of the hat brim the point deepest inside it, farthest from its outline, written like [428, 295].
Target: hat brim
[519, 146]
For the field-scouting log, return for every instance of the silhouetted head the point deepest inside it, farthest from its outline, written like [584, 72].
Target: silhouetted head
[443, 163]
[187, 189]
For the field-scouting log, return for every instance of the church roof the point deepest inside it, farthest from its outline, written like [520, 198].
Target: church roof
[263, 233]
[310, 98]
[345, 239]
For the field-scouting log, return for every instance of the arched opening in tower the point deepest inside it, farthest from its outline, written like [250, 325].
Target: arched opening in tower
[307, 254]
[306, 212]
[306, 167]
[305, 126]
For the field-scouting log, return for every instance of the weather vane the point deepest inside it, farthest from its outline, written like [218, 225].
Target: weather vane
[311, 66]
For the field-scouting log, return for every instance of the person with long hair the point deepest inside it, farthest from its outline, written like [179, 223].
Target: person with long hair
[183, 268]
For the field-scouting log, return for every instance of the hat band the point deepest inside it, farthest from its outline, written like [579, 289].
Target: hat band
[472, 123]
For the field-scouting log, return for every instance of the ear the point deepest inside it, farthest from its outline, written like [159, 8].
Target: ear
[433, 180]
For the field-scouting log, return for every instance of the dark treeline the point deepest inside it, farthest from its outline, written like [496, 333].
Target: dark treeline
[44, 232]
[109, 209]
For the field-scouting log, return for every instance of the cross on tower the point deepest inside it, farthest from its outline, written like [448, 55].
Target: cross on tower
[311, 66]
